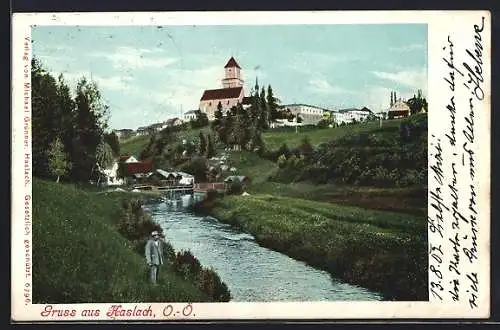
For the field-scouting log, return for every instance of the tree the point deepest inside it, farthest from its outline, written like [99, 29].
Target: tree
[44, 119]
[90, 124]
[104, 160]
[218, 114]
[284, 150]
[210, 146]
[257, 141]
[65, 114]
[306, 148]
[104, 155]
[201, 120]
[218, 117]
[198, 167]
[272, 104]
[392, 98]
[114, 142]
[417, 103]
[58, 160]
[264, 113]
[203, 144]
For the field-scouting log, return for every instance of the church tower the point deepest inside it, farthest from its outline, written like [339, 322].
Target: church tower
[232, 74]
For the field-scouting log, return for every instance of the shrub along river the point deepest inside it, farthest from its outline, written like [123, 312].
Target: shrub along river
[251, 272]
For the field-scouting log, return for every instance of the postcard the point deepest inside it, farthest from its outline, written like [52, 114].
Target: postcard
[201, 166]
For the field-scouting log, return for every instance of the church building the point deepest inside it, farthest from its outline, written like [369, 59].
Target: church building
[229, 95]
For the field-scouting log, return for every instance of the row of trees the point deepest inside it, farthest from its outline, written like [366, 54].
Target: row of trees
[417, 103]
[69, 135]
[241, 128]
[206, 145]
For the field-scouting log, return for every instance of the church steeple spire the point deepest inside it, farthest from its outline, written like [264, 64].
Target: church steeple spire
[232, 74]
[232, 64]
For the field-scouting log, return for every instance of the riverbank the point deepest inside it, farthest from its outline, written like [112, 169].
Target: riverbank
[80, 253]
[381, 251]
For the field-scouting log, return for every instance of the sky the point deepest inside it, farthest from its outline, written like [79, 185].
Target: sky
[148, 74]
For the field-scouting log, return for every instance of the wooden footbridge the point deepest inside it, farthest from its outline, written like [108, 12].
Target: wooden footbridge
[185, 189]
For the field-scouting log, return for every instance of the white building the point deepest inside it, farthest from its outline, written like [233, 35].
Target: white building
[350, 115]
[190, 115]
[173, 122]
[124, 133]
[285, 123]
[128, 159]
[310, 114]
[111, 175]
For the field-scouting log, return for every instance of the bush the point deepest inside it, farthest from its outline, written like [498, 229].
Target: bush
[133, 223]
[235, 188]
[388, 157]
[207, 280]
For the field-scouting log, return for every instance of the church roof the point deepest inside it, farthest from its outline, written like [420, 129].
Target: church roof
[222, 93]
[232, 63]
[399, 106]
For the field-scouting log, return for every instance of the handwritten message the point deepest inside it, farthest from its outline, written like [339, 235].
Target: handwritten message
[454, 218]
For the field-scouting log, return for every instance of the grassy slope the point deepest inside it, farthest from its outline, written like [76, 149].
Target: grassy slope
[258, 169]
[409, 199]
[192, 133]
[274, 140]
[134, 145]
[250, 164]
[383, 251]
[79, 256]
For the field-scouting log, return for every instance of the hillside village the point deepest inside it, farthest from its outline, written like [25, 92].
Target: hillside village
[128, 169]
[300, 114]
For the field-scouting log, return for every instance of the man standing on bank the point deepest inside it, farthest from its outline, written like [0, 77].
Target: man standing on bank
[154, 255]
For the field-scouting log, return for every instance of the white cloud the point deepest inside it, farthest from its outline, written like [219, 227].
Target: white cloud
[132, 58]
[114, 83]
[377, 98]
[407, 48]
[184, 87]
[303, 62]
[413, 79]
[321, 86]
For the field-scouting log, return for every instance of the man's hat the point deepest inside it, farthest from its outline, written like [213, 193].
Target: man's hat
[155, 233]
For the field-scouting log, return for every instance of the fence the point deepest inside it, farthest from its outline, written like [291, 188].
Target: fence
[209, 185]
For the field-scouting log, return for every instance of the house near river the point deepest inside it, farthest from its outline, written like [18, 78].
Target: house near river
[164, 178]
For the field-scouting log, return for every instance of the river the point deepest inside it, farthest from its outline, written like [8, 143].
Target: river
[251, 272]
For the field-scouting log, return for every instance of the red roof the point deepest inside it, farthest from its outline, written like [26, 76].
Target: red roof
[124, 157]
[399, 112]
[232, 63]
[222, 93]
[140, 167]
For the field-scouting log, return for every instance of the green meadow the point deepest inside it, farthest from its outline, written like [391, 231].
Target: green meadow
[379, 250]
[80, 256]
